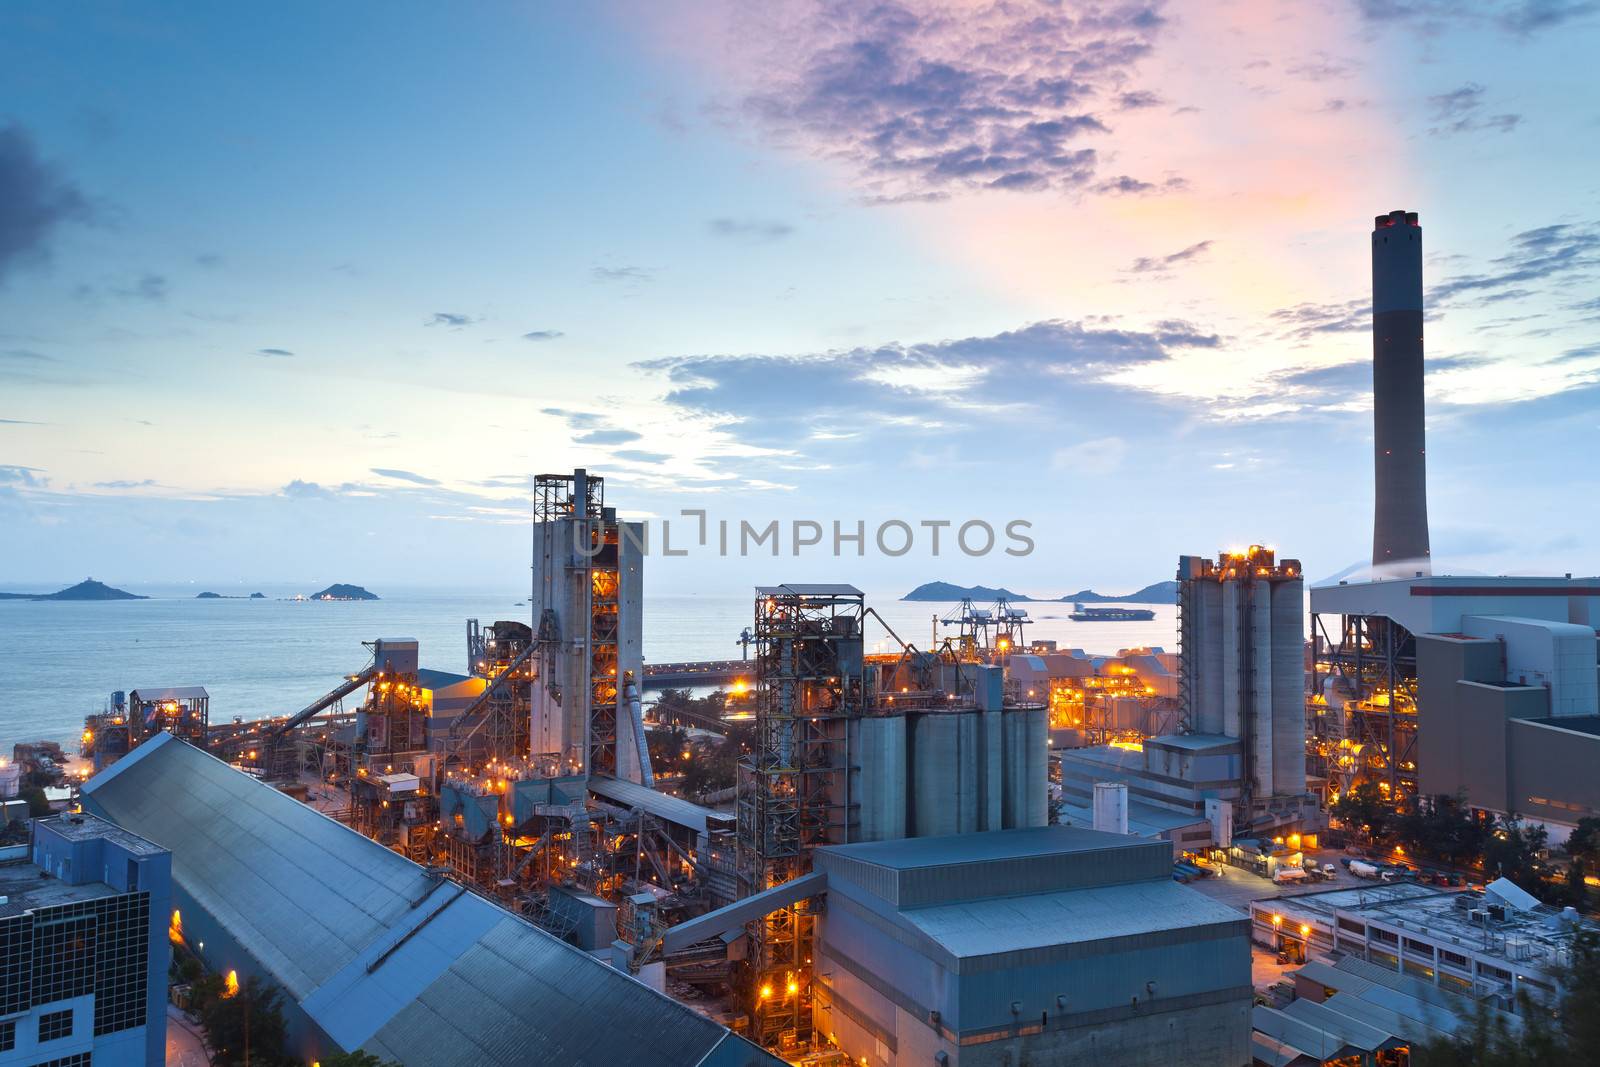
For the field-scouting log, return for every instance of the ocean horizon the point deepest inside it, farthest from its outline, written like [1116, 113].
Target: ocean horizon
[259, 658]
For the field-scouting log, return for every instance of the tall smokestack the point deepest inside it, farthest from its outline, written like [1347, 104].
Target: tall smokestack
[1400, 512]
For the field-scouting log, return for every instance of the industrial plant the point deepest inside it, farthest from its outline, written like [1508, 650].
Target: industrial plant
[968, 852]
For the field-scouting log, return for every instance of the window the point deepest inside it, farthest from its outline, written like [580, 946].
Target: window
[1418, 947]
[54, 1025]
[1454, 959]
[8, 1036]
[1385, 936]
[1352, 926]
[123, 963]
[79, 1060]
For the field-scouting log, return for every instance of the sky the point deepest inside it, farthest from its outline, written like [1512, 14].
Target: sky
[300, 292]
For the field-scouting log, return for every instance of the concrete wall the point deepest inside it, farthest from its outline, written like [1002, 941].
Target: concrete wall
[886, 1002]
[1557, 655]
[1554, 773]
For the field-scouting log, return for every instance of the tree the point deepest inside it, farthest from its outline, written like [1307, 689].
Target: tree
[357, 1059]
[1513, 850]
[250, 1018]
[38, 806]
[1364, 808]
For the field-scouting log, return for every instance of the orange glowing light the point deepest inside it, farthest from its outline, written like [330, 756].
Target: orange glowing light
[231, 984]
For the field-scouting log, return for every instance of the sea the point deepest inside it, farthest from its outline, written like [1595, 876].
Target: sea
[257, 658]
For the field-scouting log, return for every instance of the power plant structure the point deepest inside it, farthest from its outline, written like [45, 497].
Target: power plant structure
[1236, 762]
[852, 748]
[1506, 715]
[1400, 498]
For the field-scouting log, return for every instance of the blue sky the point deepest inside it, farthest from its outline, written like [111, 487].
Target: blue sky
[308, 292]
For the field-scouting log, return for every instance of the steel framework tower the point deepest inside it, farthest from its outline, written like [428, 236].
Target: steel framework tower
[794, 788]
[1400, 501]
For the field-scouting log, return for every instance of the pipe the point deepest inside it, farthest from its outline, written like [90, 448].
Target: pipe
[636, 714]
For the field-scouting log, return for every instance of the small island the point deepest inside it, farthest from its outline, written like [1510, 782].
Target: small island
[341, 591]
[1156, 593]
[225, 596]
[88, 589]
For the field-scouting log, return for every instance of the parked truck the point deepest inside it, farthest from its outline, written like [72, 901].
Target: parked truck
[1371, 871]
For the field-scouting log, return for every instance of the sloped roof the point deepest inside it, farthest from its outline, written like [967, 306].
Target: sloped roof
[380, 954]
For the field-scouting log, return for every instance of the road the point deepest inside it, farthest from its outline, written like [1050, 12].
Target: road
[184, 1046]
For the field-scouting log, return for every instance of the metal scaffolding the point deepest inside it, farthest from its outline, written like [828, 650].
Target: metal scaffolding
[1372, 670]
[793, 790]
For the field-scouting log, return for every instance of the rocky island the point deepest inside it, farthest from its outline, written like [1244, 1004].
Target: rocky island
[341, 591]
[88, 589]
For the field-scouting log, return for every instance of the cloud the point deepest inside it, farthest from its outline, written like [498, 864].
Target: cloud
[1138, 100]
[21, 422]
[1562, 250]
[302, 490]
[125, 484]
[1306, 320]
[451, 319]
[578, 420]
[151, 287]
[608, 437]
[1519, 19]
[751, 231]
[912, 390]
[404, 476]
[623, 275]
[278, 352]
[1461, 110]
[22, 476]
[542, 335]
[35, 201]
[1157, 264]
[918, 102]
[1123, 185]
[636, 456]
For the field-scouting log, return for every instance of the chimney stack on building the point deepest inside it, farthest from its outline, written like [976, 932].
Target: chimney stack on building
[1400, 504]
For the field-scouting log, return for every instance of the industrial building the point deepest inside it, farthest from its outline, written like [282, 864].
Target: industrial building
[1237, 761]
[1462, 685]
[375, 952]
[1346, 1010]
[1099, 699]
[134, 718]
[1042, 944]
[1489, 946]
[83, 946]
[1509, 713]
[854, 748]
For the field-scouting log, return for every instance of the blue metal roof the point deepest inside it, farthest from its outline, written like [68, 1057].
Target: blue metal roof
[377, 952]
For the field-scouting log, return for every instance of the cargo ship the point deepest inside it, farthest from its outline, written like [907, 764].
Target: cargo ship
[1080, 613]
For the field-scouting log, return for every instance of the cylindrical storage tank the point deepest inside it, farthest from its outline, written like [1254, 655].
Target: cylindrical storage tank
[943, 774]
[1014, 790]
[1111, 807]
[878, 782]
[1037, 732]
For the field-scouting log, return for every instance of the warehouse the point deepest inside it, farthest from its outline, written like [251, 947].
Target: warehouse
[1050, 944]
[373, 951]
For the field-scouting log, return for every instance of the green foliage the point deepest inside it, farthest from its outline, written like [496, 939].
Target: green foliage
[1569, 1036]
[38, 806]
[357, 1059]
[1584, 844]
[1365, 809]
[1512, 851]
[713, 764]
[251, 1018]
[1443, 827]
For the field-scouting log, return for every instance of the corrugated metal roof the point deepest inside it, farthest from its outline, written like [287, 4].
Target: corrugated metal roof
[1312, 1040]
[512, 998]
[298, 891]
[376, 951]
[922, 871]
[809, 589]
[172, 692]
[1362, 1034]
[1010, 924]
[672, 809]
